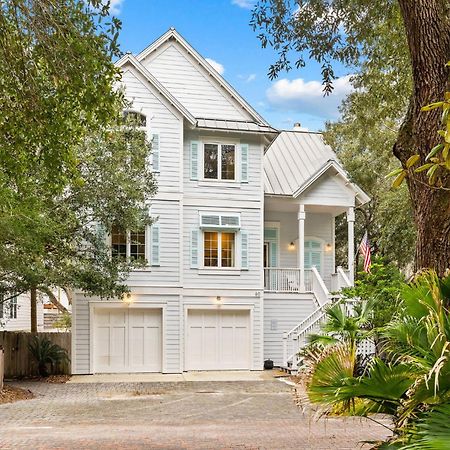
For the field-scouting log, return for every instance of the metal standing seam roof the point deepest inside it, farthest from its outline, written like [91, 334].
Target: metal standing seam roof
[294, 158]
[235, 125]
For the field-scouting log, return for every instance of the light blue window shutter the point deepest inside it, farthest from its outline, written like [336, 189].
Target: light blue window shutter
[273, 254]
[244, 163]
[315, 260]
[155, 152]
[244, 251]
[195, 149]
[194, 248]
[155, 238]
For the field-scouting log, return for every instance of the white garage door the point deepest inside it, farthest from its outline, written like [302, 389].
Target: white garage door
[218, 340]
[127, 340]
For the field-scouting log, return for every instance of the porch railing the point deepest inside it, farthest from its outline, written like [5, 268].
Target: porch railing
[340, 279]
[277, 279]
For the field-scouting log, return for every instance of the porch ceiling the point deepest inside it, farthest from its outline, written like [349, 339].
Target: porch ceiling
[288, 204]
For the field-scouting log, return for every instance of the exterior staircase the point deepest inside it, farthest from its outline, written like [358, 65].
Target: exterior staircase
[296, 338]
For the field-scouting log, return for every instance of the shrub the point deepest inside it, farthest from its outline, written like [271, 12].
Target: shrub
[46, 353]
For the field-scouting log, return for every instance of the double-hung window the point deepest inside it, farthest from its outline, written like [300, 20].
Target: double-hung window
[219, 161]
[219, 249]
[128, 244]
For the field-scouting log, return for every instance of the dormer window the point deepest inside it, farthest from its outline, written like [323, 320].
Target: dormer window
[135, 117]
[219, 161]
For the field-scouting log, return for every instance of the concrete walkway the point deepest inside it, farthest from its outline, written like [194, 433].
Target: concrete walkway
[231, 375]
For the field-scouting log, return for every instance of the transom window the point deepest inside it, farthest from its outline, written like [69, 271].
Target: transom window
[219, 161]
[128, 244]
[219, 249]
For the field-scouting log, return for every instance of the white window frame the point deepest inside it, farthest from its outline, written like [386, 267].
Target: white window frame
[219, 249]
[219, 143]
[128, 243]
[13, 306]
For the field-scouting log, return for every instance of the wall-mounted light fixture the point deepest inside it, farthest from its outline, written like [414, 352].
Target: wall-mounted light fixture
[218, 298]
[291, 246]
[328, 247]
[127, 298]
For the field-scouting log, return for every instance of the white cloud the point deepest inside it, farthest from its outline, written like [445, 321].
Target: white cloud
[217, 66]
[247, 78]
[307, 96]
[115, 7]
[247, 4]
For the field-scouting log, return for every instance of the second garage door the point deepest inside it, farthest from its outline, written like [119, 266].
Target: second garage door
[127, 340]
[218, 340]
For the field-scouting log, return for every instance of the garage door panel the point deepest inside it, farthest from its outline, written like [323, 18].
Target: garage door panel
[128, 340]
[218, 340]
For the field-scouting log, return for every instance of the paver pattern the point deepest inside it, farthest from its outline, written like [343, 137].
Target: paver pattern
[183, 415]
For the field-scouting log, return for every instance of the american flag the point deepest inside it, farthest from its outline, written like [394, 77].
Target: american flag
[364, 248]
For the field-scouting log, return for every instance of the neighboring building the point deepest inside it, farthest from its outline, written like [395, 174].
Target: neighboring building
[15, 314]
[243, 248]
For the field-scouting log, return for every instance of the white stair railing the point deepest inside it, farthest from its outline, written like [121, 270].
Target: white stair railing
[295, 339]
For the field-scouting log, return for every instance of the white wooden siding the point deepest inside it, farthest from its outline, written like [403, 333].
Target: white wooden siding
[167, 273]
[329, 190]
[316, 226]
[23, 320]
[81, 359]
[192, 85]
[224, 190]
[281, 314]
[220, 278]
[162, 119]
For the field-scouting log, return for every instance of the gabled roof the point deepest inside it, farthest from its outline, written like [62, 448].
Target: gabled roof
[130, 59]
[172, 34]
[296, 160]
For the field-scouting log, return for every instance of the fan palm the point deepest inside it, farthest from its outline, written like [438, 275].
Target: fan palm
[416, 376]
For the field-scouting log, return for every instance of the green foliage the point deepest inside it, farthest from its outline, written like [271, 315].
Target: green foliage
[46, 353]
[64, 322]
[437, 161]
[414, 380]
[69, 168]
[381, 287]
[432, 431]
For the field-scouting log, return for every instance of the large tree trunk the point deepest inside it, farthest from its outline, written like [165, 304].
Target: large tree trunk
[427, 27]
[33, 310]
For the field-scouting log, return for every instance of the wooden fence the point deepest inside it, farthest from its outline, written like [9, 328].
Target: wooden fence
[19, 363]
[2, 367]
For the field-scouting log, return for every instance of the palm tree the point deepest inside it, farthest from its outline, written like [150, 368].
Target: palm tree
[414, 379]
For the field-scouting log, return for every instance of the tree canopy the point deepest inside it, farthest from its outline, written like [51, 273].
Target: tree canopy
[70, 166]
[398, 51]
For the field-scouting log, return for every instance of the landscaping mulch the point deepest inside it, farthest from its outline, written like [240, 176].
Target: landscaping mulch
[10, 394]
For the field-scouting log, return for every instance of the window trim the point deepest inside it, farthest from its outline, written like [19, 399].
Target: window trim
[128, 246]
[219, 142]
[219, 267]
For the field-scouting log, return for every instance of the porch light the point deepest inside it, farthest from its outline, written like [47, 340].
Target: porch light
[328, 247]
[218, 298]
[291, 246]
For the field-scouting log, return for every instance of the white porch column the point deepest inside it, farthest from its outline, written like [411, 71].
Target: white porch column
[301, 245]
[351, 243]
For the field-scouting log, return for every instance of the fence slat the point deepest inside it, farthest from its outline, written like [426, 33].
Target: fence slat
[17, 359]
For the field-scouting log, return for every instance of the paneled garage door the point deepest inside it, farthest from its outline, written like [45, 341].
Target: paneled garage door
[218, 340]
[127, 340]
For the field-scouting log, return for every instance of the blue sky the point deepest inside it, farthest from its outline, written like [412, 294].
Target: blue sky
[219, 30]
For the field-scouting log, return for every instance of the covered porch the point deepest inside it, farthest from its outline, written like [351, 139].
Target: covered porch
[299, 246]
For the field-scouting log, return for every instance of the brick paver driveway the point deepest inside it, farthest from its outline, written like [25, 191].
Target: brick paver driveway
[190, 415]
